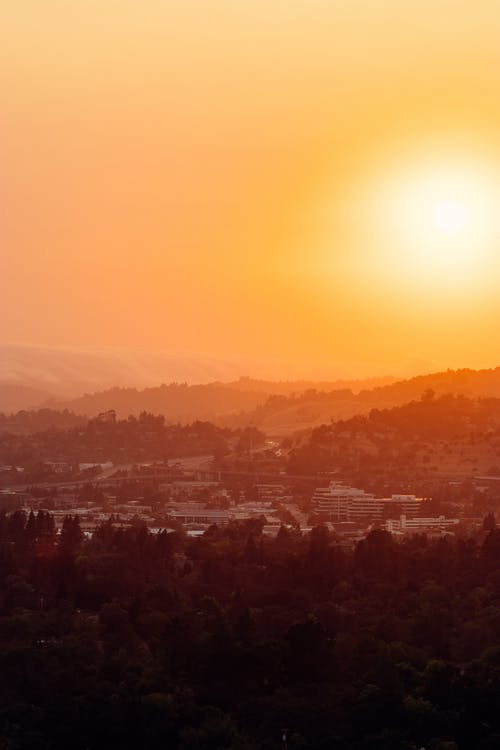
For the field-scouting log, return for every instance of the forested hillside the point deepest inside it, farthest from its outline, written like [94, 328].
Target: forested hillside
[280, 407]
[232, 641]
[233, 401]
[434, 435]
[106, 438]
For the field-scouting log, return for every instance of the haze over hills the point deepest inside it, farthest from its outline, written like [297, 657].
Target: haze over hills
[30, 376]
[207, 388]
[282, 407]
[282, 415]
[221, 402]
[428, 437]
[14, 397]
[67, 373]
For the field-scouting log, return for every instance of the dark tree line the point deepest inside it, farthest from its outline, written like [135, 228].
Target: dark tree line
[148, 437]
[129, 639]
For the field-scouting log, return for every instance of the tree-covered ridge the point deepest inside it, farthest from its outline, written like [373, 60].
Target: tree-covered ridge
[446, 416]
[186, 402]
[312, 405]
[106, 438]
[285, 404]
[273, 405]
[38, 420]
[453, 434]
[131, 639]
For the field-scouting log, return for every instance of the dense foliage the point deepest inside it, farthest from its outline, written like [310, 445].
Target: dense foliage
[106, 438]
[449, 434]
[130, 640]
[38, 420]
[268, 403]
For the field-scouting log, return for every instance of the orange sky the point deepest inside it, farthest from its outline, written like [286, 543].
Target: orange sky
[203, 176]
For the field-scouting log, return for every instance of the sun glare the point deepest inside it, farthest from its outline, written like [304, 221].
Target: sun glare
[434, 226]
[450, 217]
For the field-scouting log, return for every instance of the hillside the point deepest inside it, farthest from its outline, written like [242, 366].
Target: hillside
[65, 373]
[232, 402]
[110, 439]
[287, 414]
[467, 382]
[14, 397]
[434, 436]
[279, 407]
[282, 407]
[26, 422]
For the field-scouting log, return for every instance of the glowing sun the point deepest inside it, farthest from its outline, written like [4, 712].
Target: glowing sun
[436, 225]
[450, 217]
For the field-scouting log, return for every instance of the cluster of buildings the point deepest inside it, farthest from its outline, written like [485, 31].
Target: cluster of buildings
[399, 514]
[193, 504]
[185, 505]
[340, 503]
[188, 500]
[422, 525]
[196, 517]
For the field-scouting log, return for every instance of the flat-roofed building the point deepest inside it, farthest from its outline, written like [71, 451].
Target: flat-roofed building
[405, 525]
[199, 515]
[340, 503]
[410, 504]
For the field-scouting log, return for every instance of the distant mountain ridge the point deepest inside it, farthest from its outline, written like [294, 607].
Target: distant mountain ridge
[68, 373]
[65, 374]
[14, 397]
[282, 406]
[214, 401]
[465, 381]
[436, 435]
[276, 406]
[313, 408]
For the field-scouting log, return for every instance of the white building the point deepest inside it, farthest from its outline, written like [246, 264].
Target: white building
[405, 525]
[340, 503]
[199, 515]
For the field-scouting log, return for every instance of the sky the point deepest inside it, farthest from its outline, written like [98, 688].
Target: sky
[310, 182]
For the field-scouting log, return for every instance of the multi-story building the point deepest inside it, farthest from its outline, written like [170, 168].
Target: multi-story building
[405, 525]
[410, 504]
[340, 503]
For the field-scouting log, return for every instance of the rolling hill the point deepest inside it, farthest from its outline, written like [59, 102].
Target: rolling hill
[282, 407]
